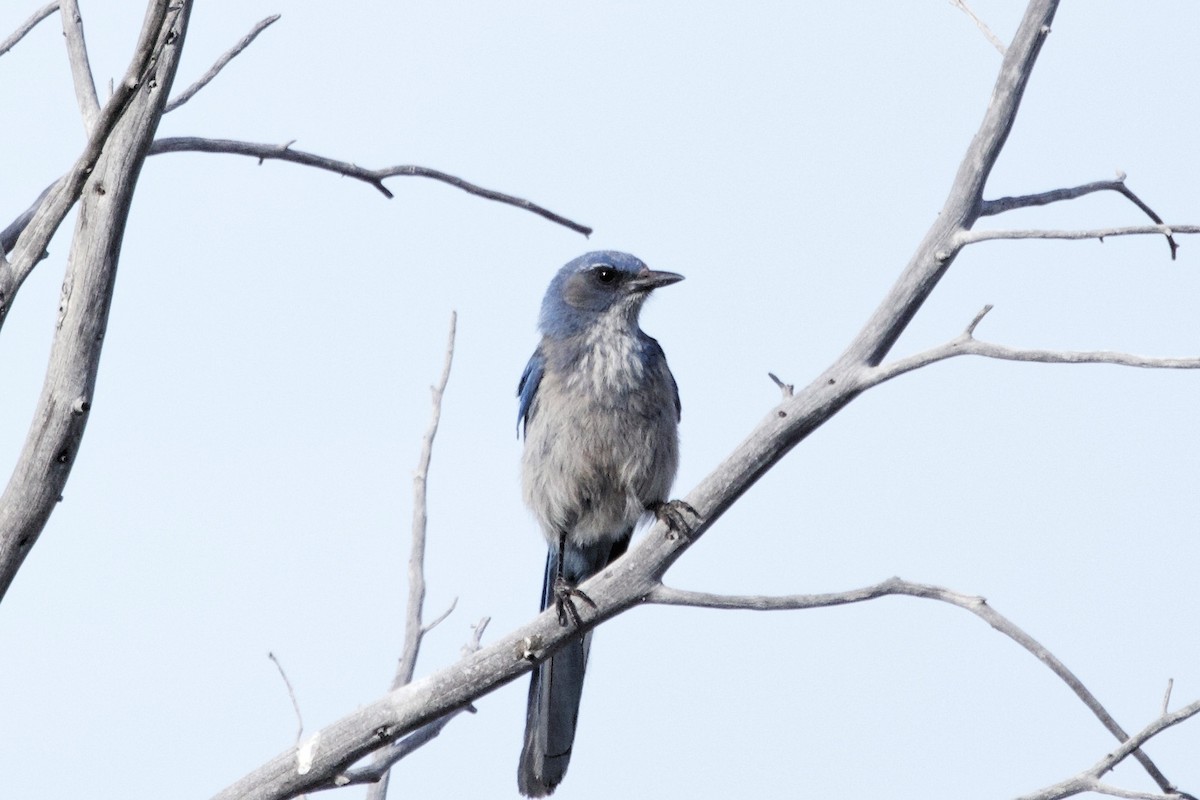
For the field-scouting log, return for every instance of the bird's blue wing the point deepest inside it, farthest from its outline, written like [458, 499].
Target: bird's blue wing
[527, 388]
[658, 355]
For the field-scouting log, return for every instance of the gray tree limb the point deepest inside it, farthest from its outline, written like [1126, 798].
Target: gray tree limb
[121, 139]
[219, 64]
[27, 26]
[81, 68]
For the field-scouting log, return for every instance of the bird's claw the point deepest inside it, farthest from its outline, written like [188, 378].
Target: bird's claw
[564, 602]
[672, 513]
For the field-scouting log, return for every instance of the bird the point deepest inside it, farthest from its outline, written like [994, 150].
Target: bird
[600, 412]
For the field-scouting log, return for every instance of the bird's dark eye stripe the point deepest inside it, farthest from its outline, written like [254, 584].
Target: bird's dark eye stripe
[605, 273]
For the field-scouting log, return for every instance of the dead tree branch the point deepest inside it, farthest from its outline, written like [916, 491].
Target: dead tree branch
[979, 23]
[117, 149]
[1089, 779]
[219, 64]
[1002, 204]
[27, 26]
[374, 177]
[665, 595]
[972, 237]
[291, 696]
[965, 344]
[414, 627]
[377, 772]
[81, 68]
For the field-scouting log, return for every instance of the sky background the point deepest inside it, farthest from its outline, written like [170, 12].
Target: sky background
[245, 482]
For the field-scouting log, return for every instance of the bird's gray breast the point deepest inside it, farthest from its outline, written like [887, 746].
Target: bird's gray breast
[602, 443]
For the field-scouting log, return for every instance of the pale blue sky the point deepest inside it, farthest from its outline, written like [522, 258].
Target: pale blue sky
[244, 485]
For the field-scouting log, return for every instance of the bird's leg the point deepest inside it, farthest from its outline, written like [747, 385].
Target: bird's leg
[672, 513]
[564, 592]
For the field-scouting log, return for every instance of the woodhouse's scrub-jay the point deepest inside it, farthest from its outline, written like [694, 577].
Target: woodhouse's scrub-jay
[600, 410]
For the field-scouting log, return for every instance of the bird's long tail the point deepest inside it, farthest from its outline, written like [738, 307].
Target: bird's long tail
[557, 683]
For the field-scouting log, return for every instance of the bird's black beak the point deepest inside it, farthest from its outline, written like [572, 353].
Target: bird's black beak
[649, 279]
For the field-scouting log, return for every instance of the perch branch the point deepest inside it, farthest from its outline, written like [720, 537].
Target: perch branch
[374, 177]
[219, 64]
[81, 69]
[414, 628]
[665, 595]
[27, 26]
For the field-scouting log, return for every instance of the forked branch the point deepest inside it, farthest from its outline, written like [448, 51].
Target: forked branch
[1002, 204]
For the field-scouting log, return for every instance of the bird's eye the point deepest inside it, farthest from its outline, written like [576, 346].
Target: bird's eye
[606, 275]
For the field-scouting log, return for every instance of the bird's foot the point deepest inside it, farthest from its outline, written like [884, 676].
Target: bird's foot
[672, 513]
[564, 601]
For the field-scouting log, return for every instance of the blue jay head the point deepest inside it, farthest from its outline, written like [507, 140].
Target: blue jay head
[602, 285]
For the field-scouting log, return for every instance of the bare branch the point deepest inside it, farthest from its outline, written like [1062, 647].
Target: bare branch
[81, 70]
[377, 772]
[965, 238]
[787, 389]
[1089, 779]
[978, 606]
[10, 235]
[991, 37]
[936, 252]
[965, 344]
[27, 26]
[219, 64]
[123, 133]
[374, 177]
[414, 629]
[1002, 204]
[440, 618]
[31, 241]
[292, 696]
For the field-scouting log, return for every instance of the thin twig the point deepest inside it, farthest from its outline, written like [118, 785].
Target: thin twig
[788, 390]
[219, 64]
[440, 618]
[1002, 204]
[292, 696]
[374, 177]
[991, 37]
[81, 69]
[964, 238]
[414, 629]
[27, 26]
[978, 606]
[965, 344]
